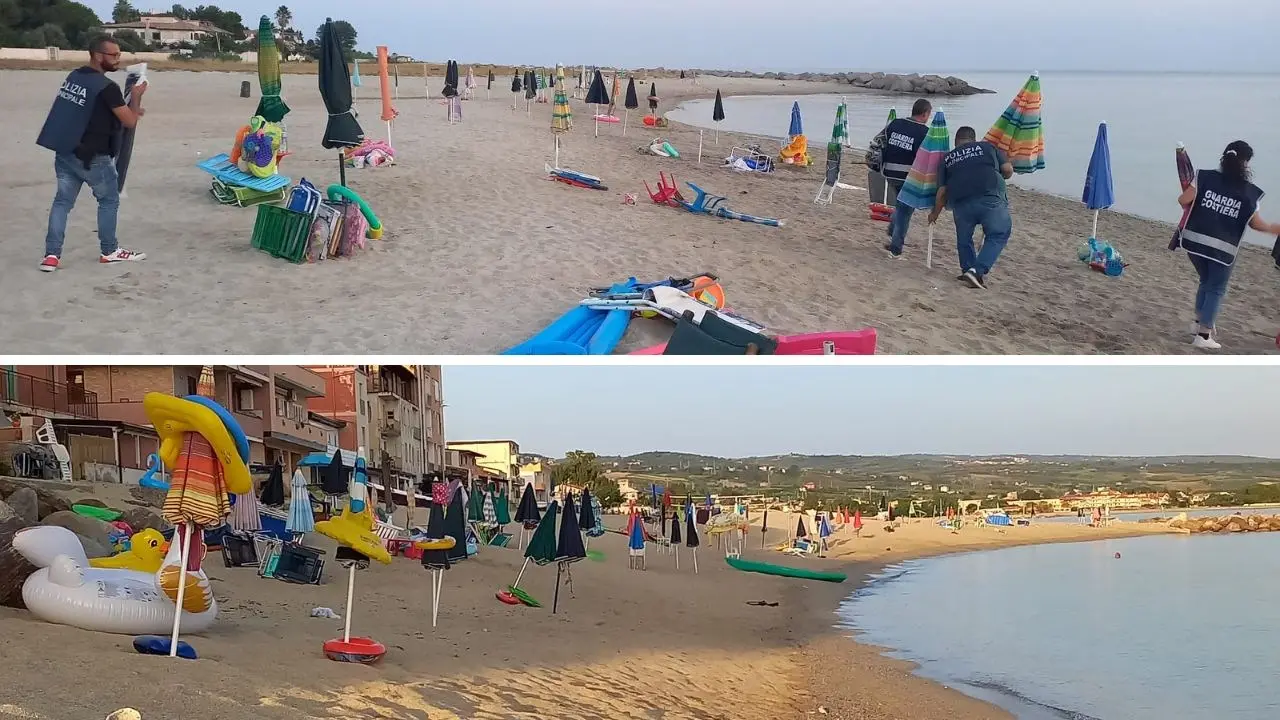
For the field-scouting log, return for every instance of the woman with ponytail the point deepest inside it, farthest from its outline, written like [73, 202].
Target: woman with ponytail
[1224, 203]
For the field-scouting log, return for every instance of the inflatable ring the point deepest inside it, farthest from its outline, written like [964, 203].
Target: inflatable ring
[341, 192]
[445, 543]
[359, 650]
[507, 598]
[233, 426]
[172, 417]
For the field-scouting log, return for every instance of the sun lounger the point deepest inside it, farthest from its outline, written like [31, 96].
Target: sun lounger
[222, 169]
[243, 196]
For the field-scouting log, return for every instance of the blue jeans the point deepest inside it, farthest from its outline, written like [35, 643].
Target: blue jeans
[1214, 278]
[899, 225]
[102, 180]
[993, 216]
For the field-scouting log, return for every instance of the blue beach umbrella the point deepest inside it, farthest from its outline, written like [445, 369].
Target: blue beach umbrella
[797, 127]
[1099, 190]
[301, 518]
[824, 531]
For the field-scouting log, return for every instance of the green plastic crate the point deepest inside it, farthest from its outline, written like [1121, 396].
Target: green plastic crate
[281, 232]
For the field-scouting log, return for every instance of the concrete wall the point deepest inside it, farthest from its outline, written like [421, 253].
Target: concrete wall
[103, 473]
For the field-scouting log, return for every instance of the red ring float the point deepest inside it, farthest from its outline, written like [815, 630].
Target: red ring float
[359, 650]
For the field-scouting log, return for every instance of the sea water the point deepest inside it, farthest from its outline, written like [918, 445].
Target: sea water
[1178, 626]
[1147, 115]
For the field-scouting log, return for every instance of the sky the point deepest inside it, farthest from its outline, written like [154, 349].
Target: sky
[903, 35]
[976, 410]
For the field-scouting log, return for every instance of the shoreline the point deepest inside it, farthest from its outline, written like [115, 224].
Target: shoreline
[843, 701]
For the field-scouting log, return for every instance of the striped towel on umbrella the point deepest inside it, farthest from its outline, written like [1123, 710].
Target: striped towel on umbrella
[244, 513]
[301, 518]
[197, 491]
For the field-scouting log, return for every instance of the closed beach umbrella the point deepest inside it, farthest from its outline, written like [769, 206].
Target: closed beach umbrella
[451, 79]
[676, 539]
[455, 525]
[1018, 133]
[857, 519]
[471, 79]
[488, 510]
[920, 189]
[691, 539]
[1187, 176]
[301, 518]
[475, 508]
[341, 130]
[653, 98]
[355, 74]
[389, 111]
[632, 102]
[335, 476]
[597, 95]
[635, 535]
[527, 513]
[244, 513]
[542, 546]
[717, 113]
[502, 506]
[273, 488]
[800, 528]
[586, 515]
[824, 532]
[835, 150]
[489, 86]
[271, 107]
[515, 82]
[1099, 190]
[569, 547]
[797, 126]
[561, 116]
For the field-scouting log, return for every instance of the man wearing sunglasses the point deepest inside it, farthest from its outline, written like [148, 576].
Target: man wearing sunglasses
[84, 129]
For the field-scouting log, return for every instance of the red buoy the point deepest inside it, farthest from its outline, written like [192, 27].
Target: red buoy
[358, 650]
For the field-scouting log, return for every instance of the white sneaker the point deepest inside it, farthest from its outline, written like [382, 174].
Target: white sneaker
[122, 255]
[1206, 343]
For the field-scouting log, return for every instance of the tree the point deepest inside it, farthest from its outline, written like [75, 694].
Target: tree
[76, 21]
[129, 41]
[284, 18]
[124, 12]
[180, 12]
[47, 35]
[581, 469]
[346, 34]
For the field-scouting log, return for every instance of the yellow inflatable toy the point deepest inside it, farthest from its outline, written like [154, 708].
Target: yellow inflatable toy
[353, 527]
[172, 417]
[445, 543]
[146, 554]
[797, 152]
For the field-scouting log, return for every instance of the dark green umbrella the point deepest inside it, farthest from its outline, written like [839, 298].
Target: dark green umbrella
[271, 107]
[542, 546]
[569, 547]
[503, 506]
[342, 130]
[475, 507]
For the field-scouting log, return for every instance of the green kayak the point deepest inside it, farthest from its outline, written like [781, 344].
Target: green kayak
[784, 571]
[93, 511]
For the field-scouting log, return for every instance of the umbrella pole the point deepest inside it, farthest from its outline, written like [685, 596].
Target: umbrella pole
[699, 147]
[342, 170]
[437, 582]
[695, 561]
[1095, 225]
[677, 551]
[928, 253]
[185, 557]
[351, 594]
[557, 152]
[555, 601]
[389, 134]
[626, 117]
[521, 573]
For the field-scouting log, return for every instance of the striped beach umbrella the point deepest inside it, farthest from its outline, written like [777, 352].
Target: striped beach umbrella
[271, 107]
[921, 186]
[244, 513]
[1186, 176]
[1018, 133]
[301, 518]
[561, 115]
[488, 510]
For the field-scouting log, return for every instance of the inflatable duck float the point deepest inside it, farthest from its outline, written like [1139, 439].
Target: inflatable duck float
[353, 527]
[146, 554]
[67, 590]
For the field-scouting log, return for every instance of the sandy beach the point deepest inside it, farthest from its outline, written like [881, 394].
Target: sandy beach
[482, 251]
[650, 644]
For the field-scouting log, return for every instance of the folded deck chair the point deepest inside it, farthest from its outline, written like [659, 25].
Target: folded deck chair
[689, 339]
[713, 324]
[221, 168]
[243, 196]
[716, 206]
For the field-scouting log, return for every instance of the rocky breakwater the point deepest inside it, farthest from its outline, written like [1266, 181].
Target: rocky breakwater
[1227, 524]
[25, 506]
[912, 84]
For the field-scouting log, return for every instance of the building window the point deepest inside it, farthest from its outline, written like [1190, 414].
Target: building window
[193, 385]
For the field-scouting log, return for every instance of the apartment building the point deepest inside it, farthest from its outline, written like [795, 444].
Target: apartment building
[502, 457]
[45, 391]
[396, 409]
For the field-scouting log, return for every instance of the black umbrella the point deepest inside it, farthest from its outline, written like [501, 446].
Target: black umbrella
[597, 95]
[675, 535]
[800, 531]
[450, 79]
[342, 130]
[527, 512]
[491, 79]
[569, 546]
[717, 113]
[273, 488]
[653, 97]
[126, 138]
[586, 515]
[530, 85]
[455, 525]
[682, 75]
[691, 539]
[515, 82]
[632, 102]
[335, 476]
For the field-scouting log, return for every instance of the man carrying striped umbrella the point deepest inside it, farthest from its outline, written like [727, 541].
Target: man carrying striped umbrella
[971, 180]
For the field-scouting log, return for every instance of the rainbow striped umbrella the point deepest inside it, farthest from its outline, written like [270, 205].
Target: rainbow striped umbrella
[1018, 133]
[921, 186]
[893, 115]
[1186, 176]
[561, 115]
[271, 107]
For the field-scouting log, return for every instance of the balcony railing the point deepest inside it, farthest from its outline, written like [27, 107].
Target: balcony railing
[391, 428]
[27, 391]
[392, 386]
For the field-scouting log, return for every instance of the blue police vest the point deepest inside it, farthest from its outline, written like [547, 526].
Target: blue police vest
[973, 170]
[902, 140]
[71, 112]
[1219, 217]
